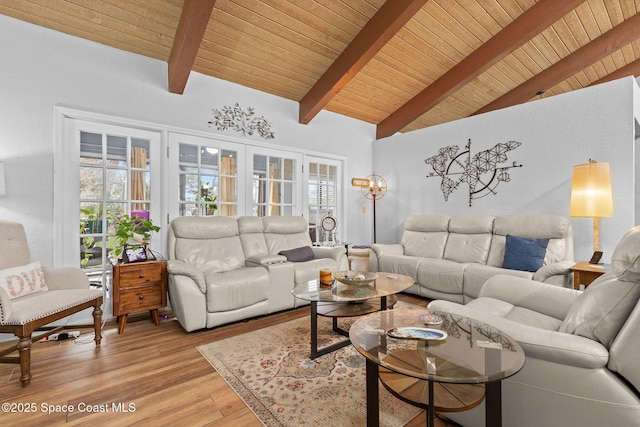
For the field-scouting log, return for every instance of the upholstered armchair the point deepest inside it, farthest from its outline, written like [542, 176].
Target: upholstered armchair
[581, 347]
[32, 296]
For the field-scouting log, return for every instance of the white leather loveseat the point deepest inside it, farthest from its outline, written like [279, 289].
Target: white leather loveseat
[451, 257]
[223, 269]
[582, 366]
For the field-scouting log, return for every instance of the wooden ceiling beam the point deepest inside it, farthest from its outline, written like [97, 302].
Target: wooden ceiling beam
[614, 39]
[387, 21]
[193, 23]
[529, 24]
[631, 69]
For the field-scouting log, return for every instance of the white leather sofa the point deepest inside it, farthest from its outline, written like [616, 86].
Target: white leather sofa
[582, 366]
[223, 269]
[451, 257]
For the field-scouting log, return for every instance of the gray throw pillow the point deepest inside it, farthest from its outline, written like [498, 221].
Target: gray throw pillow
[304, 253]
[602, 309]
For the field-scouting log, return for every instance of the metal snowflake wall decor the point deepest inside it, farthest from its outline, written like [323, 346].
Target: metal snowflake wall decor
[240, 120]
[480, 171]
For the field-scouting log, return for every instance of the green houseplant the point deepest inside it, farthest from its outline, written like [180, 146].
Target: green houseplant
[131, 231]
[210, 204]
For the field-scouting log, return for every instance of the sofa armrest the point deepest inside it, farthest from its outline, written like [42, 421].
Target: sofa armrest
[541, 297]
[5, 305]
[380, 249]
[265, 260]
[180, 268]
[557, 273]
[387, 249]
[552, 346]
[60, 278]
[333, 252]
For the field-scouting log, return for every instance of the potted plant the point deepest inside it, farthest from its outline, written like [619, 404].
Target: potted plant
[210, 204]
[131, 231]
[88, 219]
[208, 200]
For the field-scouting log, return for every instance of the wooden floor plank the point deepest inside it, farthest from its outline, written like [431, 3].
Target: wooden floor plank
[158, 369]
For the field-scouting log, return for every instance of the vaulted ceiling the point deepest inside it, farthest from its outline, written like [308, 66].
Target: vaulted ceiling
[401, 64]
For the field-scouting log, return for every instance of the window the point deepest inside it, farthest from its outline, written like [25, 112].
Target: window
[208, 180]
[273, 186]
[323, 182]
[204, 177]
[275, 178]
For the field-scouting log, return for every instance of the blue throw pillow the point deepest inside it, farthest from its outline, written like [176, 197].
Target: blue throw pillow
[524, 254]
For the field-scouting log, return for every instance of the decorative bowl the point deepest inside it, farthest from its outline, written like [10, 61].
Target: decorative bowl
[355, 277]
[430, 318]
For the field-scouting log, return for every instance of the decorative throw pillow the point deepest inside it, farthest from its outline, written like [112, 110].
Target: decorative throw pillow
[23, 280]
[602, 309]
[525, 254]
[304, 253]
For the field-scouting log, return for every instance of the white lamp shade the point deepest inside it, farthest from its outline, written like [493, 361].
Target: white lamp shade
[591, 194]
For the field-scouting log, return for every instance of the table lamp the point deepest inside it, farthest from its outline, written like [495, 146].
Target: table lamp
[591, 195]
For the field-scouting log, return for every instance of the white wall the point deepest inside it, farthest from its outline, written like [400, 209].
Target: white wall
[556, 133]
[42, 68]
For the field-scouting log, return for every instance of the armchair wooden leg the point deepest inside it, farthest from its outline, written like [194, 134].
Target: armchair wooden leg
[24, 351]
[97, 322]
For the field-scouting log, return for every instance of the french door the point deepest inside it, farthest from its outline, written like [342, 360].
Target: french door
[105, 172]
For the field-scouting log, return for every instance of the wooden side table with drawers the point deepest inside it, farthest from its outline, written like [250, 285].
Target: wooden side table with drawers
[139, 286]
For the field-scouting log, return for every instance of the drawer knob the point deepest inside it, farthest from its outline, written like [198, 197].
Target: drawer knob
[141, 297]
[141, 275]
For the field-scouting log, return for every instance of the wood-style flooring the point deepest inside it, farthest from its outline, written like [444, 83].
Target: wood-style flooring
[151, 375]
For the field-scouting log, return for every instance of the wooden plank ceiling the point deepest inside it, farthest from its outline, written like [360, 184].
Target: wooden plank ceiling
[402, 65]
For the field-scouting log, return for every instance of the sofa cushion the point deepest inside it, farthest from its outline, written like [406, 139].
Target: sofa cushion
[625, 261]
[602, 309]
[475, 275]
[400, 264]
[468, 248]
[555, 228]
[441, 275]
[469, 238]
[23, 280]
[301, 254]
[425, 235]
[496, 307]
[236, 289]
[524, 254]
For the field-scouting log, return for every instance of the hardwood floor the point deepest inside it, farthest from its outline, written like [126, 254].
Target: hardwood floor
[148, 375]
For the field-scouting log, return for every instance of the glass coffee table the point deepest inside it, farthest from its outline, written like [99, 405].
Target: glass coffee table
[465, 358]
[342, 300]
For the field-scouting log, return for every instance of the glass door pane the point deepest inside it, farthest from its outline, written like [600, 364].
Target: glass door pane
[207, 176]
[275, 180]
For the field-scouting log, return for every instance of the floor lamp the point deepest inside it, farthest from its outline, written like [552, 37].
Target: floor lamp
[373, 187]
[591, 195]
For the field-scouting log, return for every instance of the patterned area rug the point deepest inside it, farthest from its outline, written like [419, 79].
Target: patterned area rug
[271, 371]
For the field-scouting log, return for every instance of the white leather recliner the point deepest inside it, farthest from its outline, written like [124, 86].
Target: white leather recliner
[582, 349]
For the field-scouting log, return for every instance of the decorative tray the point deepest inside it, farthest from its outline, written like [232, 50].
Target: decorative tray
[413, 333]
